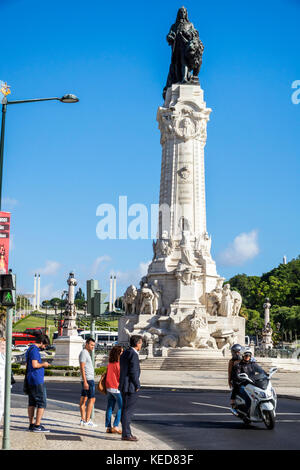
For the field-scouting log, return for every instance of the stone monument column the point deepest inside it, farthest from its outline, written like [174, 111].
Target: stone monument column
[69, 345]
[38, 297]
[183, 246]
[267, 331]
[34, 293]
[182, 122]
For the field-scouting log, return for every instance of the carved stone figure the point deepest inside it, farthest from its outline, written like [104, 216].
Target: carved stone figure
[147, 300]
[187, 257]
[214, 301]
[226, 302]
[225, 338]
[129, 299]
[203, 243]
[163, 247]
[193, 332]
[237, 302]
[187, 50]
[157, 301]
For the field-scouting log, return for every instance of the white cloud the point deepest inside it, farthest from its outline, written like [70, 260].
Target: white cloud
[97, 263]
[50, 268]
[244, 247]
[11, 242]
[9, 203]
[48, 292]
[132, 276]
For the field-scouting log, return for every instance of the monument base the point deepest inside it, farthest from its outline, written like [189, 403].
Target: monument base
[67, 350]
[195, 353]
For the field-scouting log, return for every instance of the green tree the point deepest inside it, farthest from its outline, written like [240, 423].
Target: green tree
[80, 295]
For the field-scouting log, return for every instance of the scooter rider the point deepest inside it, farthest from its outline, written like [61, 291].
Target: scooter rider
[248, 367]
[236, 351]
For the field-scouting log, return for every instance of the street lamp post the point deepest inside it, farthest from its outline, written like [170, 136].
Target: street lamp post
[55, 305]
[68, 98]
[46, 318]
[278, 330]
[255, 330]
[64, 293]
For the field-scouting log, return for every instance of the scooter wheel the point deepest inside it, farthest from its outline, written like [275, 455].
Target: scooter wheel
[269, 418]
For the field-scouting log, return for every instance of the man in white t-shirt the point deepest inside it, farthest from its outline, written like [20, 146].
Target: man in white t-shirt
[87, 399]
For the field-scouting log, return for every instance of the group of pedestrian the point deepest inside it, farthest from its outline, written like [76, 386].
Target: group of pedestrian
[122, 384]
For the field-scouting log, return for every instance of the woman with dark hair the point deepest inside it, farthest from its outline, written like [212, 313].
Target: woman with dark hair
[114, 395]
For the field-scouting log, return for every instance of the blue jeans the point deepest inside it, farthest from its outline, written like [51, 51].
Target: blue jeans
[112, 400]
[245, 396]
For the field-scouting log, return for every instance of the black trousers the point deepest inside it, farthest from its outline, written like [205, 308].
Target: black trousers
[129, 402]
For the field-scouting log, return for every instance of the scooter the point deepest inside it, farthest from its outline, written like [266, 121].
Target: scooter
[262, 397]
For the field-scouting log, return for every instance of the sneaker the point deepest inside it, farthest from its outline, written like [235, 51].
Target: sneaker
[233, 411]
[90, 424]
[40, 429]
[31, 427]
[82, 422]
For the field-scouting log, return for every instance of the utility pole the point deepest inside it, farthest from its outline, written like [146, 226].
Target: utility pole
[7, 299]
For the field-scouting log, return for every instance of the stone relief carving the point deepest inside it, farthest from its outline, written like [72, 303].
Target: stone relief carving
[163, 247]
[184, 174]
[184, 123]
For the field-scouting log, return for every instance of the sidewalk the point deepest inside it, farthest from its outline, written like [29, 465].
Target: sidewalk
[66, 434]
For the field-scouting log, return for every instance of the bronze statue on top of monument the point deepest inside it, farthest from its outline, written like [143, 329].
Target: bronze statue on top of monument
[187, 50]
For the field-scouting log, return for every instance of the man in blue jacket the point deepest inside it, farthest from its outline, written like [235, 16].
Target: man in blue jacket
[130, 384]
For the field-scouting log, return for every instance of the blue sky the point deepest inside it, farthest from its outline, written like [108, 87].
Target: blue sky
[62, 161]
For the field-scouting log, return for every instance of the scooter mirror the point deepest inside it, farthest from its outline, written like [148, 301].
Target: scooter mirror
[272, 370]
[243, 376]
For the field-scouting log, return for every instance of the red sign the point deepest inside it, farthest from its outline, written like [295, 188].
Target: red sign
[4, 241]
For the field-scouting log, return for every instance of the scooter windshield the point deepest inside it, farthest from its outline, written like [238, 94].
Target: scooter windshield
[260, 380]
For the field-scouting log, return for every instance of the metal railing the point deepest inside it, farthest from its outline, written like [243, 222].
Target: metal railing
[279, 353]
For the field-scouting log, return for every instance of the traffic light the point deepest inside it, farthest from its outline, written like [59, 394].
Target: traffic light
[7, 290]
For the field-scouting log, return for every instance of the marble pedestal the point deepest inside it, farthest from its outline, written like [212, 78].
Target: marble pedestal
[67, 350]
[194, 353]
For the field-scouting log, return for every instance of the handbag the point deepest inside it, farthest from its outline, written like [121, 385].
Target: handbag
[26, 384]
[12, 380]
[102, 384]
